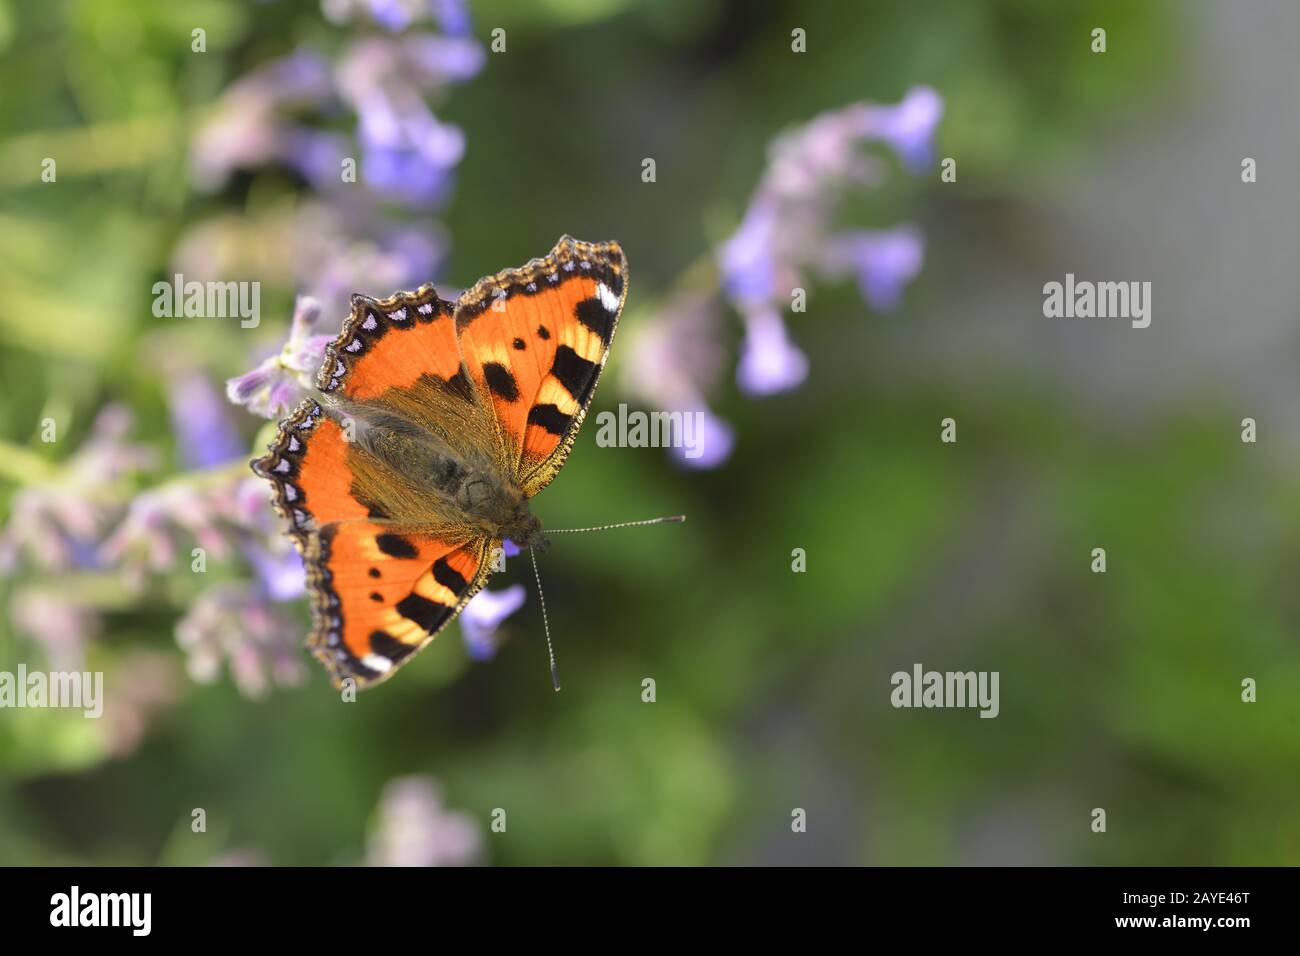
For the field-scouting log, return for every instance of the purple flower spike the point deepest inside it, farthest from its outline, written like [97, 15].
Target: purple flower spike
[452, 16]
[414, 828]
[279, 383]
[280, 572]
[748, 260]
[769, 361]
[484, 614]
[393, 15]
[206, 435]
[884, 262]
[713, 444]
[909, 126]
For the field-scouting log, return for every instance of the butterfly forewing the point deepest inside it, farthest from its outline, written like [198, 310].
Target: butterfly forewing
[535, 341]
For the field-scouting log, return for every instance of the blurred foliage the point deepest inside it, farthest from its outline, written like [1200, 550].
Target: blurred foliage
[772, 688]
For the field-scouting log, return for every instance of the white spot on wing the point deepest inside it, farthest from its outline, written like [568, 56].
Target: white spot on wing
[607, 298]
[377, 662]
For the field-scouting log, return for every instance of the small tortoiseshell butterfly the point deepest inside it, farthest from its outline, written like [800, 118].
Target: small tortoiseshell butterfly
[433, 425]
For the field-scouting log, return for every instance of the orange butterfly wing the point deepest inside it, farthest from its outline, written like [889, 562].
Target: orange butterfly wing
[391, 344]
[534, 340]
[381, 587]
[380, 593]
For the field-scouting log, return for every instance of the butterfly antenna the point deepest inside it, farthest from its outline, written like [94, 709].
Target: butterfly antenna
[546, 625]
[670, 519]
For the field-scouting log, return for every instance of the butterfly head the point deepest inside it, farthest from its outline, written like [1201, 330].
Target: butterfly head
[525, 530]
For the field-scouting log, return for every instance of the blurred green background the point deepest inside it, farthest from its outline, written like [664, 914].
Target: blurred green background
[1118, 690]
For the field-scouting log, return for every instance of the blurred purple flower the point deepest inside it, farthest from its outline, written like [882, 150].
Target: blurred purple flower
[62, 626]
[908, 127]
[414, 828]
[141, 685]
[407, 154]
[786, 227]
[58, 521]
[233, 624]
[674, 358]
[280, 571]
[883, 261]
[280, 382]
[747, 260]
[204, 431]
[483, 616]
[146, 539]
[769, 361]
[251, 124]
[713, 445]
[452, 16]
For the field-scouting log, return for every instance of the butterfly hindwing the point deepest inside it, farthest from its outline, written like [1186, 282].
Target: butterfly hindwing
[534, 341]
[380, 592]
[309, 472]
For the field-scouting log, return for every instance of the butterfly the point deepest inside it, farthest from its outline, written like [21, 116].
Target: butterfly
[432, 426]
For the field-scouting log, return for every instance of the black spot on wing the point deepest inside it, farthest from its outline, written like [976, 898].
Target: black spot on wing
[448, 576]
[383, 643]
[575, 373]
[374, 572]
[592, 314]
[395, 546]
[542, 333]
[421, 611]
[551, 418]
[500, 381]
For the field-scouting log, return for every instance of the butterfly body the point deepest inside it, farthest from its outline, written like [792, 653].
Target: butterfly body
[434, 424]
[476, 493]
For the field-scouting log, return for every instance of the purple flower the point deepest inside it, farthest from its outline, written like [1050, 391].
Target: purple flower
[407, 153]
[279, 571]
[57, 520]
[233, 624]
[908, 127]
[146, 539]
[883, 261]
[452, 16]
[769, 361]
[250, 125]
[748, 259]
[204, 431]
[280, 382]
[414, 828]
[317, 156]
[59, 624]
[712, 446]
[674, 358]
[483, 615]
